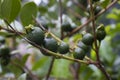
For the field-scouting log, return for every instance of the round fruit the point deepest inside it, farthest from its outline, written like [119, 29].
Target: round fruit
[63, 48]
[101, 27]
[51, 44]
[36, 36]
[66, 27]
[83, 46]
[2, 39]
[5, 60]
[100, 34]
[79, 53]
[88, 39]
[4, 51]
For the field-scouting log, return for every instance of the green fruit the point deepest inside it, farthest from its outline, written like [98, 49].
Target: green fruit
[100, 34]
[66, 27]
[63, 48]
[101, 27]
[2, 39]
[5, 60]
[88, 39]
[51, 44]
[83, 46]
[36, 35]
[4, 51]
[79, 53]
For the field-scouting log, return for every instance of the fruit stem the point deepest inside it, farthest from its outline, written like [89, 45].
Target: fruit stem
[55, 37]
[64, 57]
[60, 13]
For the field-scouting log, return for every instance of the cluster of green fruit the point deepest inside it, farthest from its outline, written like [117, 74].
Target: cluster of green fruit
[87, 41]
[4, 52]
[37, 36]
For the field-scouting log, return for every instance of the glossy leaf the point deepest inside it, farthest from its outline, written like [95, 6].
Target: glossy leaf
[9, 9]
[28, 11]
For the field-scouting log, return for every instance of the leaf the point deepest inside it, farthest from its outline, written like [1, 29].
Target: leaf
[77, 37]
[27, 13]
[106, 52]
[112, 16]
[115, 14]
[104, 3]
[9, 9]
[113, 29]
[40, 63]
[42, 9]
[24, 58]
[61, 68]
[41, 67]
[22, 77]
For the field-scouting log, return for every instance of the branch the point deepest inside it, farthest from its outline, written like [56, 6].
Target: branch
[9, 30]
[50, 68]
[89, 20]
[99, 65]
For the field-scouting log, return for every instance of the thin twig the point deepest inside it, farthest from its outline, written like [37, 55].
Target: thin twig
[96, 45]
[53, 53]
[60, 12]
[89, 20]
[27, 40]
[50, 68]
[9, 30]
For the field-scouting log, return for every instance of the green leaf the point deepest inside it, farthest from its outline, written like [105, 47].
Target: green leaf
[40, 63]
[24, 58]
[106, 52]
[61, 69]
[51, 2]
[9, 9]
[42, 9]
[22, 77]
[115, 14]
[104, 3]
[77, 37]
[27, 13]
[113, 29]
[112, 16]
[41, 66]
